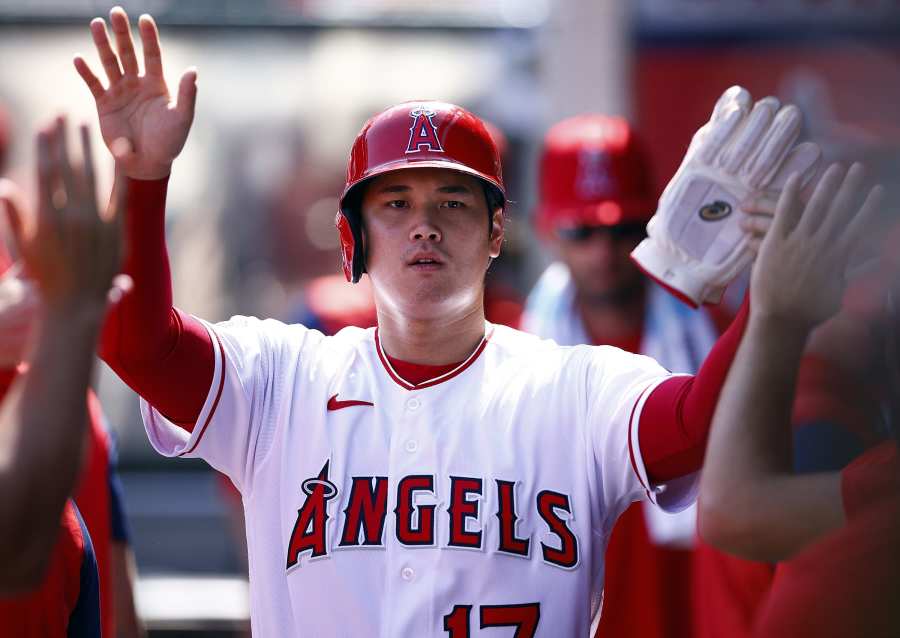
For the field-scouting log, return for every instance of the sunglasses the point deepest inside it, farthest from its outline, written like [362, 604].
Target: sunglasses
[617, 232]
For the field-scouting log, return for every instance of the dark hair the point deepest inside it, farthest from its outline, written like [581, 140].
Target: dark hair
[495, 200]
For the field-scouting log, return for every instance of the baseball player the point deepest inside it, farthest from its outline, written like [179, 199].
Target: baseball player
[595, 199]
[436, 475]
[49, 577]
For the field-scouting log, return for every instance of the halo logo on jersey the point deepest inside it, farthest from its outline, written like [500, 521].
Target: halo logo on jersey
[423, 133]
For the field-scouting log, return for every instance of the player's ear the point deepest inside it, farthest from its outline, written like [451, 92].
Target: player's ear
[496, 237]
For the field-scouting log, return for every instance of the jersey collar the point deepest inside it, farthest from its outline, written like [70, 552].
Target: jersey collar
[406, 385]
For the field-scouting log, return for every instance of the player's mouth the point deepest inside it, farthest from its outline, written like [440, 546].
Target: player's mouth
[425, 261]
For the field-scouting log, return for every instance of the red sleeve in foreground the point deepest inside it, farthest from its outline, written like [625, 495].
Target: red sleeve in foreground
[678, 413]
[163, 354]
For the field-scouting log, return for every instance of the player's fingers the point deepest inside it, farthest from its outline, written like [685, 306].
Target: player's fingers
[734, 95]
[761, 204]
[93, 83]
[64, 163]
[47, 181]
[863, 224]
[748, 137]
[118, 19]
[89, 181]
[720, 131]
[754, 245]
[789, 210]
[187, 94]
[150, 44]
[846, 201]
[774, 146]
[804, 159]
[107, 58]
[821, 199]
[757, 225]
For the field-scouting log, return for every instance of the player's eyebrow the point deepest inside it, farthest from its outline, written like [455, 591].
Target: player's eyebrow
[393, 188]
[455, 190]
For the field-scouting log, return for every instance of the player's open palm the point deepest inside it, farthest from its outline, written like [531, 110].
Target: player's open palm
[69, 248]
[801, 272]
[138, 107]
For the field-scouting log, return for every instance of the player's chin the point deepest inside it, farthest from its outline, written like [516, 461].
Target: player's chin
[426, 297]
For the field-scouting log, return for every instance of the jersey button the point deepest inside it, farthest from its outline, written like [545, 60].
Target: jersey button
[412, 445]
[407, 573]
[413, 404]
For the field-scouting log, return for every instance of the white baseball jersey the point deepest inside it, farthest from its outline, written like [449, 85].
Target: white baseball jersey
[478, 503]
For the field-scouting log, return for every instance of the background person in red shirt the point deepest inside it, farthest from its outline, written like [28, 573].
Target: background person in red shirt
[596, 196]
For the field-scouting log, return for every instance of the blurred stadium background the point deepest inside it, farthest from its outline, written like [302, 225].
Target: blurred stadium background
[284, 86]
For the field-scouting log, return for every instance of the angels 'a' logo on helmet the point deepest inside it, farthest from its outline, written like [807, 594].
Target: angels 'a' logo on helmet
[593, 180]
[423, 133]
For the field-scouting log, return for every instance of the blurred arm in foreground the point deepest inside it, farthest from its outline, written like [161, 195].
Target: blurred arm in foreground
[72, 252]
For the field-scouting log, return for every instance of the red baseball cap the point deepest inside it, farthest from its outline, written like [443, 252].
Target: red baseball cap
[594, 172]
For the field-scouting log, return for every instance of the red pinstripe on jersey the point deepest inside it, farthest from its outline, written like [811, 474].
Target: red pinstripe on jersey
[215, 404]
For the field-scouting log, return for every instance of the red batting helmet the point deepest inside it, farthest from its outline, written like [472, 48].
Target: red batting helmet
[593, 171]
[420, 134]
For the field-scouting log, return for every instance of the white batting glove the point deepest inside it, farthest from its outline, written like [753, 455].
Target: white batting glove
[694, 244]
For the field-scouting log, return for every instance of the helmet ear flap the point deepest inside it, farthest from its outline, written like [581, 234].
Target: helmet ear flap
[352, 246]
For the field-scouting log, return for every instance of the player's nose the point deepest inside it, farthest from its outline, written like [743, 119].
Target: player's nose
[424, 228]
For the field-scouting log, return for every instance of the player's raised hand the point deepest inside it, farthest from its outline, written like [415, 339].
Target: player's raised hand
[135, 106]
[801, 271]
[69, 248]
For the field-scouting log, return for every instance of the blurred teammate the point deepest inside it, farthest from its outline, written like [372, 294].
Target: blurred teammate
[71, 252]
[838, 531]
[596, 197]
[438, 475]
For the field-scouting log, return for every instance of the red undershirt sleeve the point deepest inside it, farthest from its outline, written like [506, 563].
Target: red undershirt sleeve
[162, 353]
[676, 417]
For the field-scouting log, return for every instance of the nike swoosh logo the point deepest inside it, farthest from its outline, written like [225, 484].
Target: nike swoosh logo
[334, 404]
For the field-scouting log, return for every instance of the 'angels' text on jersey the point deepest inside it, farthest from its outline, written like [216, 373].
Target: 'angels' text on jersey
[366, 507]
